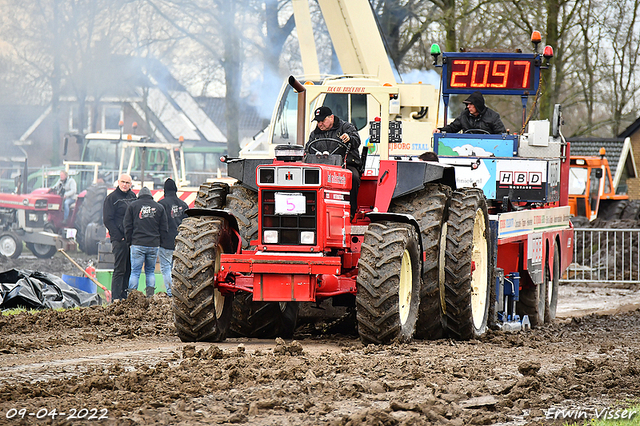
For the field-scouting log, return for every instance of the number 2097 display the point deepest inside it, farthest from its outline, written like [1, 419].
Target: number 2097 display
[488, 74]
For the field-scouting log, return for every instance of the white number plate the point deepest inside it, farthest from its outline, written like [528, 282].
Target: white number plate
[290, 203]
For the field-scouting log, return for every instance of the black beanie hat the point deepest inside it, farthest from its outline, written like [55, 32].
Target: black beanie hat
[170, 186]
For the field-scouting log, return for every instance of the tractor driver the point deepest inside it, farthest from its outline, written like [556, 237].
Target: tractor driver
[67, 188]
[475, 116]
[332, 127]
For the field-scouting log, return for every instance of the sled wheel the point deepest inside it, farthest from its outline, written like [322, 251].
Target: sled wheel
[263, 320]
[10, 245]
[388, 283]
[201, 312]
[243, 204]
[211, 195]
[468, 269]
[552, 285]
[428, 207]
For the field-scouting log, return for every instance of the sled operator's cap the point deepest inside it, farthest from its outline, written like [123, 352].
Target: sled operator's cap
[321, 113]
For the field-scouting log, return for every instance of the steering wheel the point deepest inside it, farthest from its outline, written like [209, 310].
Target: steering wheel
[311, 145]
[477, 131]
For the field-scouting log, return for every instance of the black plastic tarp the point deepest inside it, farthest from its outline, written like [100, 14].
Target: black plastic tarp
[39, 290]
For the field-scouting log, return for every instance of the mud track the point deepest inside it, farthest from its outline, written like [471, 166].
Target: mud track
[125, 361]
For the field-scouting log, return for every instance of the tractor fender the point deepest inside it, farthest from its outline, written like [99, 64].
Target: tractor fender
[225, 214]
[402, 218]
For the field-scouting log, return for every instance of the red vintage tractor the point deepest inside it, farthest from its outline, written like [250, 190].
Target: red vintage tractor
[37, 219]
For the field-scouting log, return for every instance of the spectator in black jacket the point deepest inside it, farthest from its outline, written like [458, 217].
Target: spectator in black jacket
[476, 116]
[145, 229]
[331, 127]
[175, 209]
[113, 210]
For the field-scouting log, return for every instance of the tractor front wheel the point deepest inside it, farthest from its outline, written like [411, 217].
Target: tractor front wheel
[389, 281]
[10, 245]
[201, 312]
[468, 279]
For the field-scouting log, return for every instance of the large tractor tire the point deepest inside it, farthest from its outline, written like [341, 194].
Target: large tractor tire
[428, 207]
[90, 211]
[533, 301]
[243, 203]
[211, 195]
[552, 285]
[389, 282]
[263, 320]
[10, 245]
[468, 280]
[201, 312]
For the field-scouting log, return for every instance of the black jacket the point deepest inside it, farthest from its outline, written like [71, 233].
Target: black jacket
[145, 222]
[175, 209]
[488, 119]
[339, 127]
[113, 210]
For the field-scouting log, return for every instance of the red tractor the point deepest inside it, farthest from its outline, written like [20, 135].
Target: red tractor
[37, 219]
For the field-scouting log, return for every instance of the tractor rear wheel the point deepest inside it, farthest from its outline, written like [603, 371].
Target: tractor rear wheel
[263, 320]
[533, 301]
[10, 245]
[90, 211]
[468, 281]
[201, 312]
[211, 195]
[552, 285]
[389, 281]
[42, 251]
[243, 204]
[428, 207]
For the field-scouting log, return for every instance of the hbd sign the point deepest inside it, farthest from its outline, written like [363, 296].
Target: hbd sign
[520, 178]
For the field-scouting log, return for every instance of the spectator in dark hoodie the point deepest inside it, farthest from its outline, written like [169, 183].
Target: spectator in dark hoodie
[175, 209]
[145, 229]
[113, 210]
[476, 116]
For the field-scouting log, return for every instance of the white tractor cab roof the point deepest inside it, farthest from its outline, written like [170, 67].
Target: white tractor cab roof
[350, 98]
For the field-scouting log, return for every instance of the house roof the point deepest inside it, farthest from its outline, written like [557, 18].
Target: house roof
[16, 119]
[250, 120]
[590, 147]
[633, 127]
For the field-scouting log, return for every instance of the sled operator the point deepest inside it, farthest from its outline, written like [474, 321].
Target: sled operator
[475, 116]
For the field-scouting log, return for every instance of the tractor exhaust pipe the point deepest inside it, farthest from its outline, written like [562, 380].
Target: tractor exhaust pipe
[302, 105]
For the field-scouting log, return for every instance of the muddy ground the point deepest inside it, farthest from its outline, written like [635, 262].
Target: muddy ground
[124, 362]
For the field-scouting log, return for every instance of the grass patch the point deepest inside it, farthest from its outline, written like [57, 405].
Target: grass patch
[21, 309]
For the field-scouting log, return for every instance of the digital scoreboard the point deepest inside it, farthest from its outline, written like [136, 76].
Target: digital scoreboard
[490, 73]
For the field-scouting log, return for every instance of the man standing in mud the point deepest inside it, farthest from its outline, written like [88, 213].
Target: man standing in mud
[114, 207]
[145, 230]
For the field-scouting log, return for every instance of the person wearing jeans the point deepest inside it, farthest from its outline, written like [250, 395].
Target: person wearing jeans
[143, 255]
[145, 229]
[175, 209]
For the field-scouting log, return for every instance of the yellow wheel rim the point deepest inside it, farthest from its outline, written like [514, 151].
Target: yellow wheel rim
[479, 259]
[218, 298]
[406, 285]
[441, 260]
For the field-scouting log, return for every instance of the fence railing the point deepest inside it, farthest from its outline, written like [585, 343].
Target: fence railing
[602, 255]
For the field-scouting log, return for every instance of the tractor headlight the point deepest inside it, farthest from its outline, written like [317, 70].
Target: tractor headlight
[33, 217]
[307, 237]
[270, 237]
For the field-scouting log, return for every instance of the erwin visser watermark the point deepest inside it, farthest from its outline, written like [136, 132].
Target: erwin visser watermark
[586, 413]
